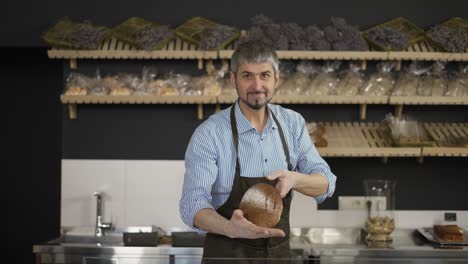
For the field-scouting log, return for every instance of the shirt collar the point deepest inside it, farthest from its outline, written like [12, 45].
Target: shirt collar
[243, 125]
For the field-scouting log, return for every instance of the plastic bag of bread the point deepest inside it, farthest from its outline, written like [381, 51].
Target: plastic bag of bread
[434, 82]
[227, 87]
[146, 86]
[166, 88]
[381, 82]
[77, 84]
[296, 83]
[409, 80]
[174, 84]
[126, 84]
[212, 86]
[351, 81]
[458, 83]
[325, 82]
[97, 86]
[317, 134]
[196, 86]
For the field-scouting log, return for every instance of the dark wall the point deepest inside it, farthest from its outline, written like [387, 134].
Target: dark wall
[37, 140]
[23, 21]
[31, 84]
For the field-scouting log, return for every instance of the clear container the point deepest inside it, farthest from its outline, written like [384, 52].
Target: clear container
[380, 195]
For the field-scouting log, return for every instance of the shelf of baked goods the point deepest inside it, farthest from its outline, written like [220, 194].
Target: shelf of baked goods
[347, 139]
[74, 100]
[200, 100]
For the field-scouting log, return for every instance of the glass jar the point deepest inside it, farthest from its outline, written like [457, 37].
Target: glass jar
[380, 195]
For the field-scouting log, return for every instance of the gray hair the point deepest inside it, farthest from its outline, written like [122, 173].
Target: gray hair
[254, 52]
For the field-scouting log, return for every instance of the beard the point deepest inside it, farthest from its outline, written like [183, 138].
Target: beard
[255, 104]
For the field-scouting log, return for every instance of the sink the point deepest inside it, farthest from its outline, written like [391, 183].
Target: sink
[67, 239]
[329, 235]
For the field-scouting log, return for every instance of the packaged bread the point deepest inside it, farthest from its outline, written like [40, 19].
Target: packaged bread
[317, 134]
[449, 233]
[351, 81]
[294, 85]
[457, 84]
[434, 82]
[408, 82]
[381, 82]
[325, 82]
[77, 84]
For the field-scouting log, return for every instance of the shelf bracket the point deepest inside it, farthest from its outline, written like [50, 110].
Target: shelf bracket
[73, 64]
[200, 111]
[384, 160]
[363, 65]
[200, 64]
[72, 111]
[398, 111]
[398, 65]
[362, 111]
[421, 157]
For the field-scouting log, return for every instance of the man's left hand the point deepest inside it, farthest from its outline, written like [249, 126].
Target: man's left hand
[286, 181]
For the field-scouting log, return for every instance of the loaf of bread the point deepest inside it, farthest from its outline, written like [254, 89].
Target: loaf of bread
[448, 233]
[76, 90]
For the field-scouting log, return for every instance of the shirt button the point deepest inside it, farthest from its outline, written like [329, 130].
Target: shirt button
[261, 139]
[265, 160]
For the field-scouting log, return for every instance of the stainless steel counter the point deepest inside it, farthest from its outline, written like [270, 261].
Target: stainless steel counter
[325, 245]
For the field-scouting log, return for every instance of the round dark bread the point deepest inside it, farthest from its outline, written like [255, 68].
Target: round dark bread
[262, 205]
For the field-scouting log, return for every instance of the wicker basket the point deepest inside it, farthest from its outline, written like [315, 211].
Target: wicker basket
[63, 33]
[127, 31]
[452, 23]
[192, 31]
[414, 33]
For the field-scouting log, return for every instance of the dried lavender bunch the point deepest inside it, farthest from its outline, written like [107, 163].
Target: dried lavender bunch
[214, 37]
[265, 29]
[86, 36]
[149, 36]
[75, 35]
[453, 39]
[294, 34]
[315, 38]
[343, 36]
[389, 38]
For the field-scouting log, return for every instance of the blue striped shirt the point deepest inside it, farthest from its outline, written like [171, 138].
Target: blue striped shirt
[211, 157]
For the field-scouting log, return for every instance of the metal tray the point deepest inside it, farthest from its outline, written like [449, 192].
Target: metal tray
[431, 237]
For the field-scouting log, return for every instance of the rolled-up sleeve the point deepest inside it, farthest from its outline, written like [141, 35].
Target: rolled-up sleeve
[310, 161]
[200, 174]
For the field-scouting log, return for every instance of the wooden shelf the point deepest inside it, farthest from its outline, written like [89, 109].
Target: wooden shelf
[115, 49]
[346, 139]
[441, 132]
[419, 51]
[130, 99]
[179, 49]
[428, 100]
[329, 99]
[362, 101]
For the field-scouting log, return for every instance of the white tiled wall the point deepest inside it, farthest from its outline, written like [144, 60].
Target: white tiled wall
[142, 193]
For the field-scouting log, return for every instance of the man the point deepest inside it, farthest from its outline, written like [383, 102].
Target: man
[248, 143]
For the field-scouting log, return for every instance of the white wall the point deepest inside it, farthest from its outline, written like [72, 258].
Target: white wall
[143, 193]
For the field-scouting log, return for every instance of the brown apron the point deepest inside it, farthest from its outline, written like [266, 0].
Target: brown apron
[220, 246]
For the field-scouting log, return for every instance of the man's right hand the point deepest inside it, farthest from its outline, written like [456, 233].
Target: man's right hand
[240, 227]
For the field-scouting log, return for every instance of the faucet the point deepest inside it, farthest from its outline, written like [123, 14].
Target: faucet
[100, 226]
